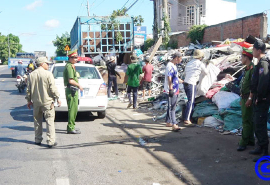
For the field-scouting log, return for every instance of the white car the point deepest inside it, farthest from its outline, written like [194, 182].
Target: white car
[94, 97]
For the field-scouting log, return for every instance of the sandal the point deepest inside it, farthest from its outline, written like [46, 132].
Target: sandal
[176, 129]
[169, 125]
[188, 124]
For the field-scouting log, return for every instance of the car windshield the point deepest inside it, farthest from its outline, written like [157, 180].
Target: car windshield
[84, 71]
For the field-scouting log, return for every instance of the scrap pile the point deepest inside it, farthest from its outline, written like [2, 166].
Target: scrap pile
[218, 93]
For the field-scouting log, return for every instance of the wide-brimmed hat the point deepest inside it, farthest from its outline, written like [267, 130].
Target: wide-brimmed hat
[134, 58]
[42, 60]
[198, 54]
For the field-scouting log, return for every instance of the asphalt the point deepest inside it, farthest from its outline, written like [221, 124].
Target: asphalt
[126, 147]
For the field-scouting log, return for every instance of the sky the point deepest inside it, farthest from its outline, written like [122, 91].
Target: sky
[38, 22]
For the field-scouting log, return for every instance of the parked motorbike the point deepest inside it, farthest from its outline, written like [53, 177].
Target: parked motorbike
[21, 84]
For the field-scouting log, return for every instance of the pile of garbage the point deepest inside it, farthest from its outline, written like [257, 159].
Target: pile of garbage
[217, 98]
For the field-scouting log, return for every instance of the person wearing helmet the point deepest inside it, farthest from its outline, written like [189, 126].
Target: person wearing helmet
[31, 66]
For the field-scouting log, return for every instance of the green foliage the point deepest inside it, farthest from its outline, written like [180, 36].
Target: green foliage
[113, 24]
[148, 44]
[5, 63]
[196, 32]
[167, 30]
[15, 47]
[138, 20]
[172, 44]
[60, 43]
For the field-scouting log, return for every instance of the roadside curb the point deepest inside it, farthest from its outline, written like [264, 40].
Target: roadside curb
[3, 65]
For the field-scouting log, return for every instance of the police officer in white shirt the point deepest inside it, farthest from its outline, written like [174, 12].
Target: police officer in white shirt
[193, 70]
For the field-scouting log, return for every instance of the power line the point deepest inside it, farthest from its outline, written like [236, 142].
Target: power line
[81, 7]
[99, 3]
[125, 4]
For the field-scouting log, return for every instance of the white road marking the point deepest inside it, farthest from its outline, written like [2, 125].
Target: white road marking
[62, 181]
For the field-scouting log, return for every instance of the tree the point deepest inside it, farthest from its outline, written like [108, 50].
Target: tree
[114, 24]
[138, 20]
[60, 44]
[11, 41]
[196, 32]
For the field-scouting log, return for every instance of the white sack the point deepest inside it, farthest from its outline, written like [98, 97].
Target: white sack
[206, 81]
[211, 122]
[223, 99]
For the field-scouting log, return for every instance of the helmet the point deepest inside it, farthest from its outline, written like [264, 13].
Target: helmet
[31, 61]
[20, 62]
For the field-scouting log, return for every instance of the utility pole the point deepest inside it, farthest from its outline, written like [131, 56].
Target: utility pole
[88, 11]
[165, 14]
[197, 12]
[165, 7]
[88, 8]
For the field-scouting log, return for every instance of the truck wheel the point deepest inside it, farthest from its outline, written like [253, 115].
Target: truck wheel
[13, 74]
[101, 114]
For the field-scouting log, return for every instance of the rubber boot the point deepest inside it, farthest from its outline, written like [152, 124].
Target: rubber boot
[258, 150]
[265, 153]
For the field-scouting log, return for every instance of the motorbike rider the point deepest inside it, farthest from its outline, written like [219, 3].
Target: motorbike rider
[20, 69]
[31, 66]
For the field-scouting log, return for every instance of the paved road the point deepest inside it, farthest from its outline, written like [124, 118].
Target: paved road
[126, 147]
[102, 154]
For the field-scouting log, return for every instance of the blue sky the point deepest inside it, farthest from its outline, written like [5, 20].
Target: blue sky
[37, 22]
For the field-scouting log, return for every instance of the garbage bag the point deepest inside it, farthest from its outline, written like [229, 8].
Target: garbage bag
[232, 119]
[223, 99]
[211, 122]
[205, 109]
[207, 80]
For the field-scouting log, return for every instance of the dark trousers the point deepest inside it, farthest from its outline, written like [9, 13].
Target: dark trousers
[248, 126]
[190, 91]
[112, 80]
[135, 91]
[170, 117]
[260, 120]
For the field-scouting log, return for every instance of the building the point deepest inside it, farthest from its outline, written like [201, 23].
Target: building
[183, 13]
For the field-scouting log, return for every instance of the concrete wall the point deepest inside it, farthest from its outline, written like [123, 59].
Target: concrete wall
[255, 25]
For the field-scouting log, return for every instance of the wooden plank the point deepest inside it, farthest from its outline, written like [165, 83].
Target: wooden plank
[155, 48]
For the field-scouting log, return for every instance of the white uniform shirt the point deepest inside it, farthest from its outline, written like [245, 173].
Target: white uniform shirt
[193, 70]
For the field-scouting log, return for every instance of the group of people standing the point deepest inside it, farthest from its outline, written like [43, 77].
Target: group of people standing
[133, 72]
[192, 72]
[255, 100]
[255, 93]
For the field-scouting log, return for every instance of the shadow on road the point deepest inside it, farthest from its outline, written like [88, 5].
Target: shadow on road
[6, 76]
[7, 139]
[14, 92]
[22, 113]
[81, 117]
[194, 155]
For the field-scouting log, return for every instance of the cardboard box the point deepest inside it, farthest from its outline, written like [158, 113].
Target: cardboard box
[200, 121]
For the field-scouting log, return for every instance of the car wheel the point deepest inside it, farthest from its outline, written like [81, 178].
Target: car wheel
[101, 114]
